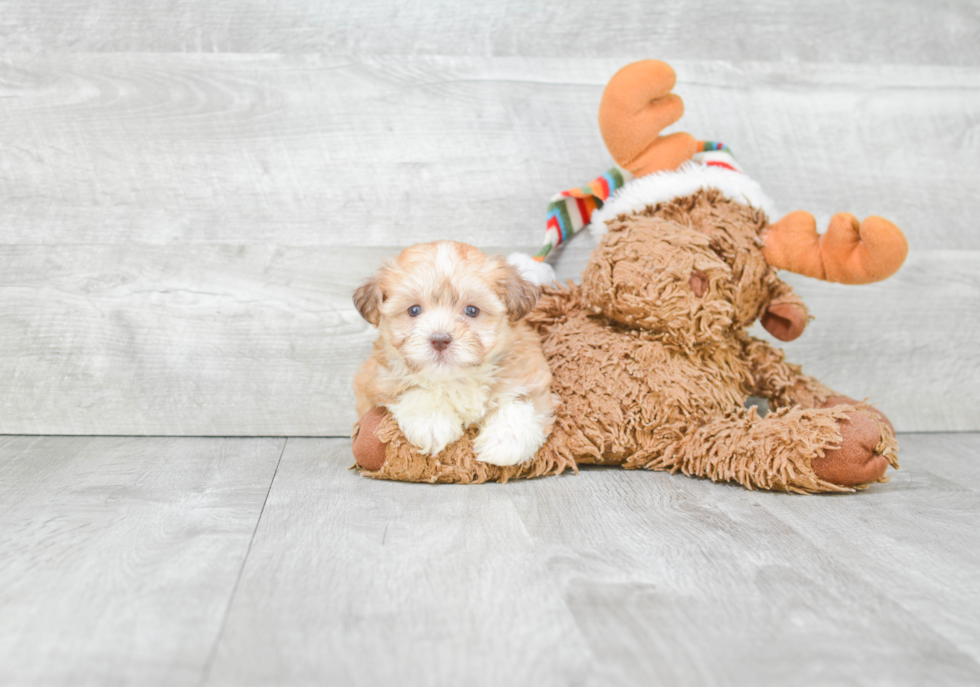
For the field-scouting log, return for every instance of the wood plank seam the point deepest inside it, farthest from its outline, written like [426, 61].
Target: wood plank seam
[205, 674]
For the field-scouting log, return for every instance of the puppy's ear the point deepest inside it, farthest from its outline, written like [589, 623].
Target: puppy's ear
[368, 299]
[518, 293]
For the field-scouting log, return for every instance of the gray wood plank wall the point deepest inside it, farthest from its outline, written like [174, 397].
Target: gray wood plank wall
[189, 194]
[872, 31]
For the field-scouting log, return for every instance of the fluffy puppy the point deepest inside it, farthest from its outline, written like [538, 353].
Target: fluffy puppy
[452, 352]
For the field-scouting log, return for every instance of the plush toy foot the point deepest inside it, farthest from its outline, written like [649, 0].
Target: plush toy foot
[847, 401]
[855, 462]
[369, 451]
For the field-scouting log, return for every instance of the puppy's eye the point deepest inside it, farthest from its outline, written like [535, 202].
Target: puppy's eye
[471, 311]
[415, 311]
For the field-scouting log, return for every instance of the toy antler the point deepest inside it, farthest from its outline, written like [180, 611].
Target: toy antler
[636, 106]
[851, 252]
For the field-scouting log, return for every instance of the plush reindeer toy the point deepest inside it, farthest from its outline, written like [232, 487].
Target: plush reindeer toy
[650, 355]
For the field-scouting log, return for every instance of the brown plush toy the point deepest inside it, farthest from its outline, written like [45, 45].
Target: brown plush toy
[650, 355]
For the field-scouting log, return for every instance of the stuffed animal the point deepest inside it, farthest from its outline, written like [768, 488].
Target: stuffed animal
[650, 356]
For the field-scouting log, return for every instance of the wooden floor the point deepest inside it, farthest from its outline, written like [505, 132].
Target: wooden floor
[210, 561]
[189, 193]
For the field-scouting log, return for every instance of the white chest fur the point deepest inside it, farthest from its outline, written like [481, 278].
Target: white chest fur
[467, 398]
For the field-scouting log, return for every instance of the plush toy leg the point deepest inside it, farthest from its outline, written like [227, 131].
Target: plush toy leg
[782, 383]
[382, 452]
[785, 385]
[802, 450]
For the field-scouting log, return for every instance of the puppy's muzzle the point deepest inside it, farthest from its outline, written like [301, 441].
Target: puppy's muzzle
[441, 341]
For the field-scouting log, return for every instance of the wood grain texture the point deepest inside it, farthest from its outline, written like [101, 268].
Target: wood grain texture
[917, 539]
[951, 457]
[158, 340]
[181, 233]
[119, 560]
[357, 582]
[942, 32]
[118, 556]
[607, 578]
[307, 150]
[264, 340]
[678, 581]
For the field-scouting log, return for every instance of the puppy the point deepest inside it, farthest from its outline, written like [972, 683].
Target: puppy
[453, 352]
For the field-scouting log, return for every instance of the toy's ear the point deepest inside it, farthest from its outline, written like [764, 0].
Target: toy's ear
[519, 295]
[636, 105]
[368, 299]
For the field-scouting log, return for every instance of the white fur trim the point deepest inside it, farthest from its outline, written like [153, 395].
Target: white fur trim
[537, 273]
[687, 179]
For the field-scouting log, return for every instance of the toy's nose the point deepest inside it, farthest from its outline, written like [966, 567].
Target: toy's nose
[698, 282]
[440, 342]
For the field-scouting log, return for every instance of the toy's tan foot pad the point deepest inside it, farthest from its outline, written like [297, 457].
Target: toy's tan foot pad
[848, 401]
[855, 462]
[369, 451]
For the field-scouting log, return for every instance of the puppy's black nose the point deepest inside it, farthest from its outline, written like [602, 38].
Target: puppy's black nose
[440, 342]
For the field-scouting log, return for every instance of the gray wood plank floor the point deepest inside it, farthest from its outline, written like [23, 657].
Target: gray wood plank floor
[266, 561]
[119, 556]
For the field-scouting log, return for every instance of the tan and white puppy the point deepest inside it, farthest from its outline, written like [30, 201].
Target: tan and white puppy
[453, 352]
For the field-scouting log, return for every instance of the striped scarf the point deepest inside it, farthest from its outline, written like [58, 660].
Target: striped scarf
[571, 210]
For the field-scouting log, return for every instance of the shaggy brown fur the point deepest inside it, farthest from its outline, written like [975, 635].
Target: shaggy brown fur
[653, 366]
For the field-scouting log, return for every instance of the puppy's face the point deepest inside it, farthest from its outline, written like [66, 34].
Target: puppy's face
[445, 306]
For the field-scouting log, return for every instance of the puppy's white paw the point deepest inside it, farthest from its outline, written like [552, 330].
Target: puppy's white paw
[512, 435]
[428, 424]
[433, 433]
